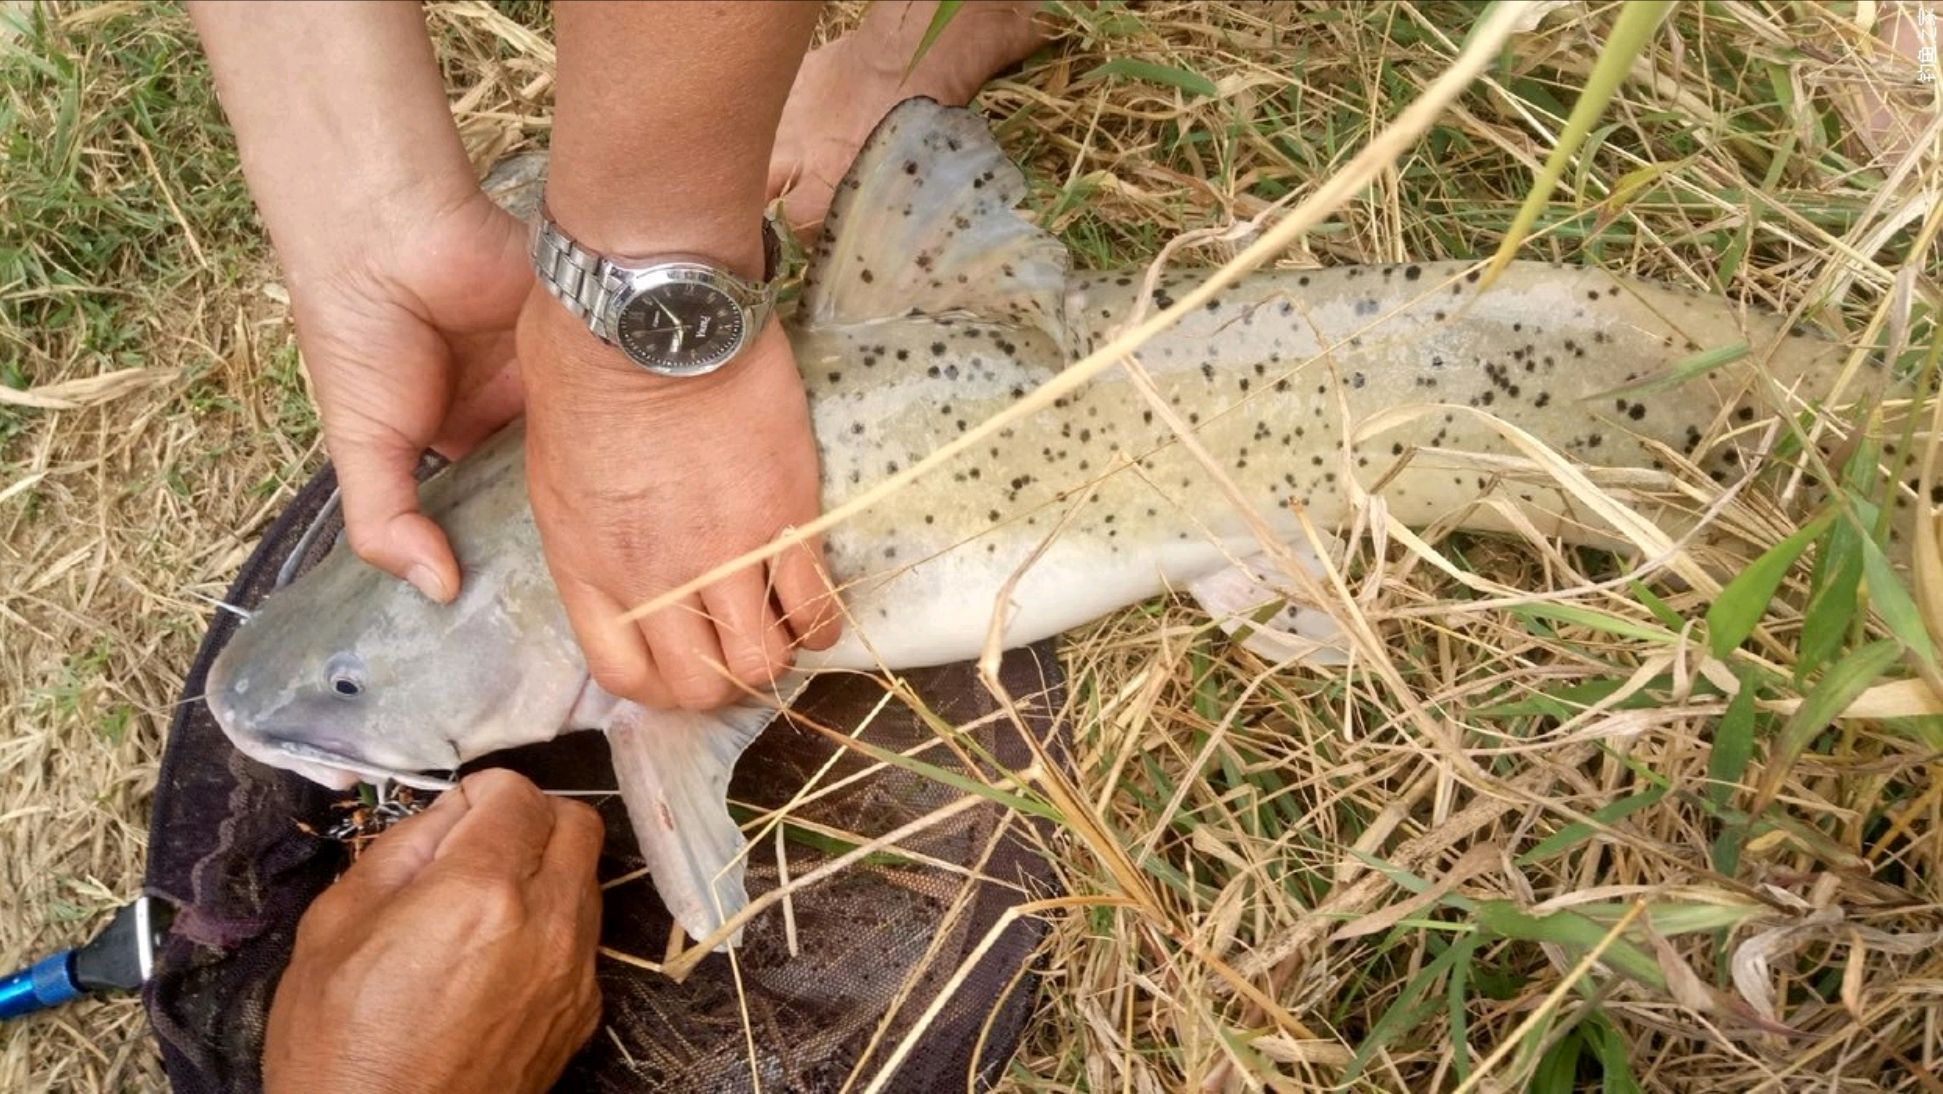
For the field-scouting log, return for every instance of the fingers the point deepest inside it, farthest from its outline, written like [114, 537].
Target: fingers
[809, 606]
[485, 397]
[755, 648]
[381, 517]
[617, 652]
[688, 655]
[574, 849]
[402, 853]
[505, 831]
[677, 656]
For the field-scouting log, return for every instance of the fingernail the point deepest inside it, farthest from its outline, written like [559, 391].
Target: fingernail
[426, 580]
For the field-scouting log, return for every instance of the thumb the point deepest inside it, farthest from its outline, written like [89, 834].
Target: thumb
[407, 848]
[381, 516]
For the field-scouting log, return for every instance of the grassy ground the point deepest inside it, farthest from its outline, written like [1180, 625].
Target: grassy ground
[1761, 887]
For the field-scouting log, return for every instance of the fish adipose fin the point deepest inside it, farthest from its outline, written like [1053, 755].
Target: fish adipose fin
[1253, 602]
[924, 223]
[673, 767]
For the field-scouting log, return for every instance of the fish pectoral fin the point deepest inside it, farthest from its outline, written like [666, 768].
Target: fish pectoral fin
[924, 223]
[1250, 601]
[673, 767]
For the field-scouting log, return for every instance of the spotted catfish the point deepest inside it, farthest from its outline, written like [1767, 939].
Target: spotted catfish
[932, 304]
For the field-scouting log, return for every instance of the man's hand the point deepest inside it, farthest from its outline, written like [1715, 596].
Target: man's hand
[641, 482]
[406, 280]
[408, 335]
[456, 955]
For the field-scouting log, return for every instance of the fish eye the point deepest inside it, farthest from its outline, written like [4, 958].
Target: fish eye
[345, 674]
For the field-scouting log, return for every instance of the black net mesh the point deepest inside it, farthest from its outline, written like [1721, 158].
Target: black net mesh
[911, 943]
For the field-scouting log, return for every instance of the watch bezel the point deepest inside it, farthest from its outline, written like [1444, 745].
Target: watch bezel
[635, 283]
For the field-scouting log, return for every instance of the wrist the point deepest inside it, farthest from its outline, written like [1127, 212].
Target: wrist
[371, 221]
[725, 232]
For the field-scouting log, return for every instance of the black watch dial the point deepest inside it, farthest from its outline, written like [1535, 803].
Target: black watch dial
[683, 328]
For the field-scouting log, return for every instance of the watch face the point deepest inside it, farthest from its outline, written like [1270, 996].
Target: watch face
[680, 327]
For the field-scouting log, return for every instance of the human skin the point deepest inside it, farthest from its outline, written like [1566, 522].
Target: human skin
[713, 466]
[456, 954]
[421, 325]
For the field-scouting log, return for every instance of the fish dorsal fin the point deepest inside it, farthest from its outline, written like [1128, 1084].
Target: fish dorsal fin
[924, 223]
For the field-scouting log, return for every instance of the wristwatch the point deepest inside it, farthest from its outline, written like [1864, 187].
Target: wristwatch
[677, 315]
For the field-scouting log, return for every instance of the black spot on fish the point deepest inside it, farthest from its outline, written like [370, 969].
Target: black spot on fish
[1411, 273]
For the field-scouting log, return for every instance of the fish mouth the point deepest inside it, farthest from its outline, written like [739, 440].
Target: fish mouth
[309, 754]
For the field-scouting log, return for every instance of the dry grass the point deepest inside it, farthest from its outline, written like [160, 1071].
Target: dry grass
[1404, 918]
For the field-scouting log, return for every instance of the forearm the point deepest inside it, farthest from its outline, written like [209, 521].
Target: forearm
[340, 115]
[664, 117]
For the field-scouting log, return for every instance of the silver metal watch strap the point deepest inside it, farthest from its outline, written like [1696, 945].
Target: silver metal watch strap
[584, 282]
[576, 277]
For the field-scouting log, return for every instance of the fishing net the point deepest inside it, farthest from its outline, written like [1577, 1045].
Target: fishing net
[904, 965]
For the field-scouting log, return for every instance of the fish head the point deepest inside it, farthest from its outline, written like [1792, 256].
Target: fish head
[350, 674]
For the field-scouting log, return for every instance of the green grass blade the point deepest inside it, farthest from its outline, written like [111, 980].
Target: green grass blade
[940, 19]
[1191, 82]
[1687, 368]
[1573, 834]
[1404, 1014]
[1834, 596]
[1838, 687]
[1740, 606]
[1558, 1068]
[1630, 32]
[1892, 602]
[1457, 993]
[1661, 610]
[1597, 620]
[1609, 1046]
[1569, 929]
[1733, 745]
